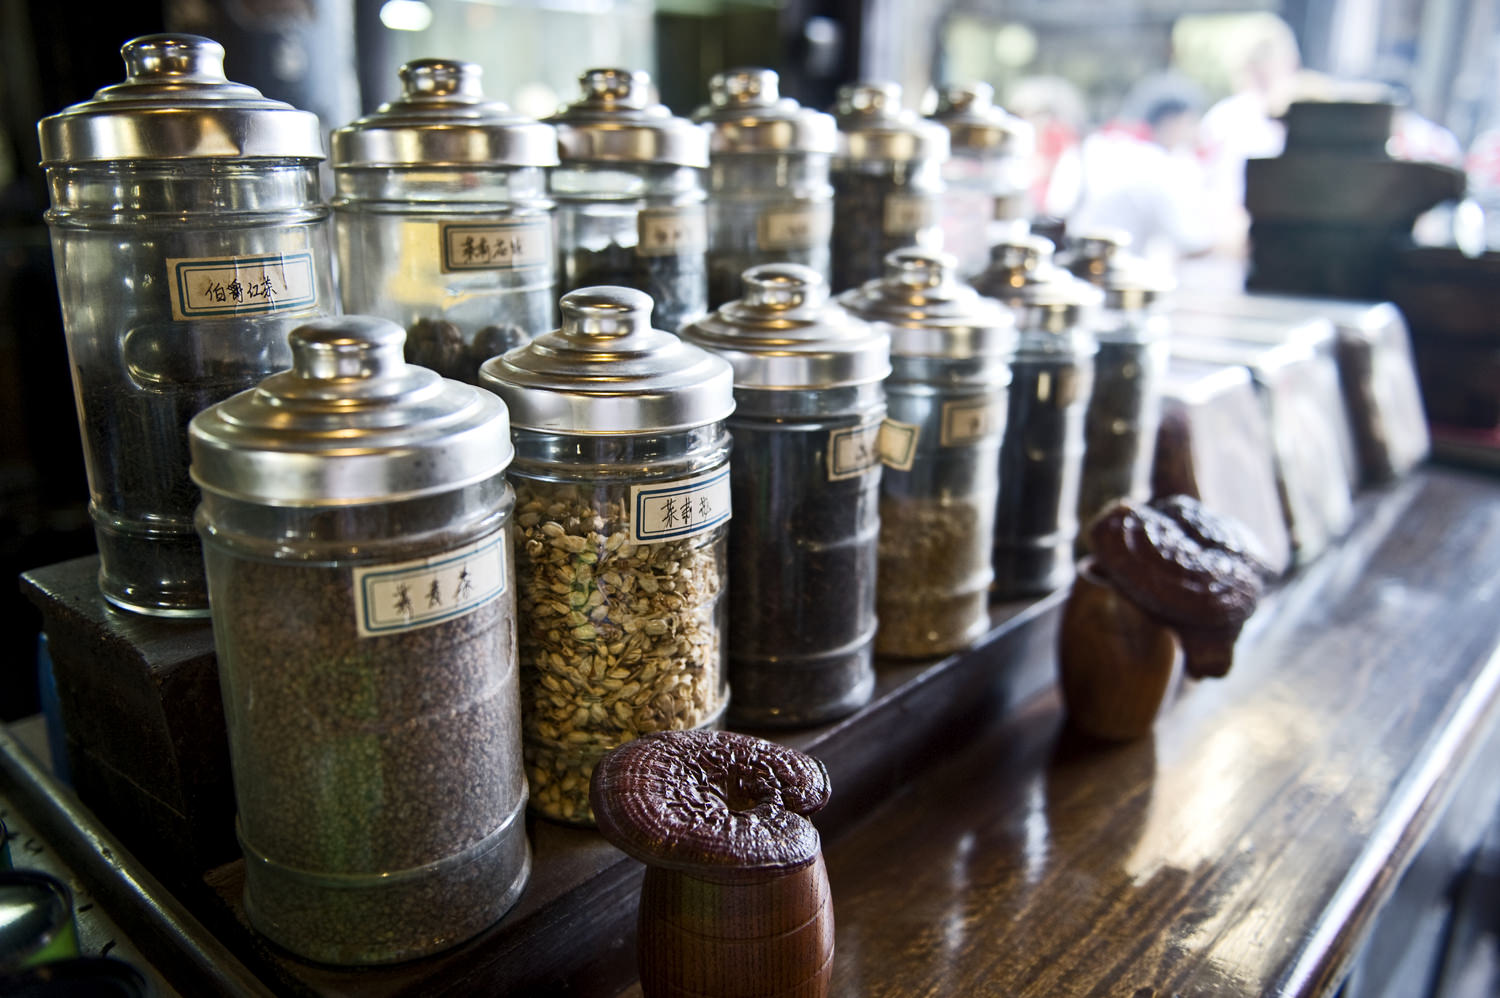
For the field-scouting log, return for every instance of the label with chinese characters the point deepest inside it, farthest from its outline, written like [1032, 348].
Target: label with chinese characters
[673, 510]
[852, 451]
[968, 420]
[389, 599]
[794, 228]
[665, 231]
[906, 214]
[503, 245]
[241, 285]
[897, 444]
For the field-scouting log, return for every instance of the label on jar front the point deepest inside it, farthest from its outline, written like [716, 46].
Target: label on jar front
[389, 599]
[967, 420]
[668, 231]
[496, 245]
[670, 511]
[205, 287]
[906, 214]
[852, 451]
[897, 444]
[794, 228]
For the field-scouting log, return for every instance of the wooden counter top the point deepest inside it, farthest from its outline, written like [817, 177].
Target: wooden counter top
[1245, 848]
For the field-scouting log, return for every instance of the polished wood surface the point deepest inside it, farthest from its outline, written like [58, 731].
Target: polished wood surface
[1245, 846]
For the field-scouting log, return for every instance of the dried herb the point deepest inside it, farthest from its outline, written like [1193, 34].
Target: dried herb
[1120, 428]
[934, 575]
[676, 282]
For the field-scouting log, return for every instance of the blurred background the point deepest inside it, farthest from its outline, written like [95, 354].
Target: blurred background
[1101, 80]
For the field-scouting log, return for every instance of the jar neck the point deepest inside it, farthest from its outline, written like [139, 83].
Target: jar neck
[623, 181]
[186, 188]
[472, 189]
[579, 457]
[856, 402]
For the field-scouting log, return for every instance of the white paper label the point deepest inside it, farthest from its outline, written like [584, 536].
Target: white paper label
[906, 214]
[968, 420]
[665, 231]
[852, 451]
[673, 510]
[495, 245]
[897, 444]
[389, 599]
[795, 228]
[241, 285]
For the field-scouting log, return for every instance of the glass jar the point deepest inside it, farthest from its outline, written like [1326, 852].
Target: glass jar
[443, 221]
[356, 529]
[189, 236]
[887, 181]
[623, 502]
[950, 356]
[1124, 409]
[630, 196]
[986, 176]
[805, 484]
[769, 199]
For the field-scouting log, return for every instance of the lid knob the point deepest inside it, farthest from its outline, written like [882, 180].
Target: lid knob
[605, 312]
[869, 98]
[784, 286]
[915, 267]
[977, 96]
[440, 78]
[755, 87]
[347, 346]
[191, 57]
[624, 87]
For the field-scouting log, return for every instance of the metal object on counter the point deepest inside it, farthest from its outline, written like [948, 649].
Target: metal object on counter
[36, 920]
[987, 174]
[950, 354]
[769, 198]
[189, 236]
[623, 497]
[356, 523]
[442, 219]
[630, 196]
[805, 479]
[887, 181]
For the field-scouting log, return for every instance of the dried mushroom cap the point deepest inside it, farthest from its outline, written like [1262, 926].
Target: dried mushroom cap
[710, 802]
[1214, 531]
[1185, 567]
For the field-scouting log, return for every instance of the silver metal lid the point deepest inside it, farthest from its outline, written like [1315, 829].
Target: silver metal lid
[443, 119]
[872, 125]
[176, 103]
[976, 125]
[615, 121]
[1131, 283]
[929, 312]
[746, 114]
[785, 333]
[1055, 302]
[1015, 263]
[350, 423]
[1091, 251]
[606, 371]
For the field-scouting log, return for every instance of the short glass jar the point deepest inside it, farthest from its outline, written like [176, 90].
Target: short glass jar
[946, 396]
[809, 401]
[443, 221]
[189, 235]
[769, 198]
[887, 182]
[623, 500]
[356, 529]
[630, 196]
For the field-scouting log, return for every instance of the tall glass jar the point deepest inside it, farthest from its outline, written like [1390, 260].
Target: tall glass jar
[443, 221]
[356, 529]
[987, 174]
[805, 482]
[887, 182]
[189, 236]
[630, 196]
[769, 199]
[950, 359]
[623, 501]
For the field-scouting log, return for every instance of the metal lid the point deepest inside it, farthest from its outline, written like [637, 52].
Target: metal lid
[443, 119]
[975, 124]
[785, 333]
[1091, 251]
[350, 423]
[615, 121]
[1015, 263]
[607, 371]
[176, 103]
[928, 312]
[872, 125]
[746, 114]
[1055, 302]
[1132, 283]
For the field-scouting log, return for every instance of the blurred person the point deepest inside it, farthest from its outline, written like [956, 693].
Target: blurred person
[1055, 108]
